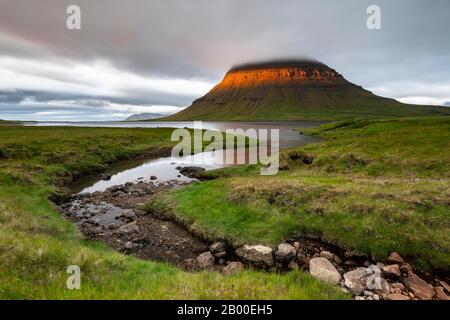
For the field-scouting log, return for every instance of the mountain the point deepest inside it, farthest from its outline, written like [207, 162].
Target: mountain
[144, 116]
[293, 90]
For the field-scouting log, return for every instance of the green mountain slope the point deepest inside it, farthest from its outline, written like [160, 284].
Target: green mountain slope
[294, 90]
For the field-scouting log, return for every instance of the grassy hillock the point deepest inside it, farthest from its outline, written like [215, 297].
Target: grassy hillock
[37, 244]
[375, 186]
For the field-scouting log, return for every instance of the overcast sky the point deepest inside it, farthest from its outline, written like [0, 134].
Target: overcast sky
[159, 55]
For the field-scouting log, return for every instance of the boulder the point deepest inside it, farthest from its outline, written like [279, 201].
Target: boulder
[324, 270]
[205, 260]
[220, 254]
[218, 246]
[396, 296]
[129, 228]
[405, 268]
[356, 280]
[191, 171]
[395, 258]
[392, 271]
[419, 287]
[440, 293]
[258, 255]
[327, 255]
[233, 267]
[285, 252]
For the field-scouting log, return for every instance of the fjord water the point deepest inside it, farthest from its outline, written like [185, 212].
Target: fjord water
[164, 168]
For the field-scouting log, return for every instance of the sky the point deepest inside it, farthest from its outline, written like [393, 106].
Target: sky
[141, 56]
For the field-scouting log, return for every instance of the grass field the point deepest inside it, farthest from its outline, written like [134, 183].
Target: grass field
[375, 186]
[37, 244]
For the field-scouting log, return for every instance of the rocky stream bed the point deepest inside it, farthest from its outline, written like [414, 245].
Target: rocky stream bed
[115, 216]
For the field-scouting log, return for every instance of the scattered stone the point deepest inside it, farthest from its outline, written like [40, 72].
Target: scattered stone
[396, 296]
[336, 259]
[321, 268]
[153, 177]
[220, 254]
[392, 271]
[302, 259]
[233, 267]
[129, 228]
[419, 287]
[284, 252]
[440, 293]
[218, 246]
[445, 285]
[191, 171]
[367, 293]
[205, 260]
[256, 254]
[105, 177]
[398, 287]
[356, 280]
[327, 255]
[381, 286]
[405, 268]
[395, 258]
[359, 298]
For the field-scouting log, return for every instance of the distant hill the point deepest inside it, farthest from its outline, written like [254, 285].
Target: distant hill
[144, 116]
[293, 90]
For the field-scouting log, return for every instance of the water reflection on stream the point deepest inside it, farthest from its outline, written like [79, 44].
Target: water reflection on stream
[164, 168]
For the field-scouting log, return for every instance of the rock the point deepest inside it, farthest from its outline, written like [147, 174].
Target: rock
[293, 265]
[445, 285]
[105, 177]
[302, 259]
[285, 252]
[396, 296]
[359, 298]
[190, 263]
[128, 214]
[220, 254]
[381, 286]
[405, 268]
[130, 245]
[256, 254]
[440, 293]
[327, 255]
[218, 246]
[129, 228]
[191, 171]
[398, 287]
[233, 267]
[337, 260]
[395, 258]
[376, 297]
[367, 293]
[392, 271]
[356, 280]
[421, 289]
[323, 269]
[153, 177]
[205, 260]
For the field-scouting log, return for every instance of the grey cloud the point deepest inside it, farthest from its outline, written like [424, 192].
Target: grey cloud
[204, 38]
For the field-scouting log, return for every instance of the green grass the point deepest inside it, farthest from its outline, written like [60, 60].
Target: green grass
[374, 186]
[37, 244]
